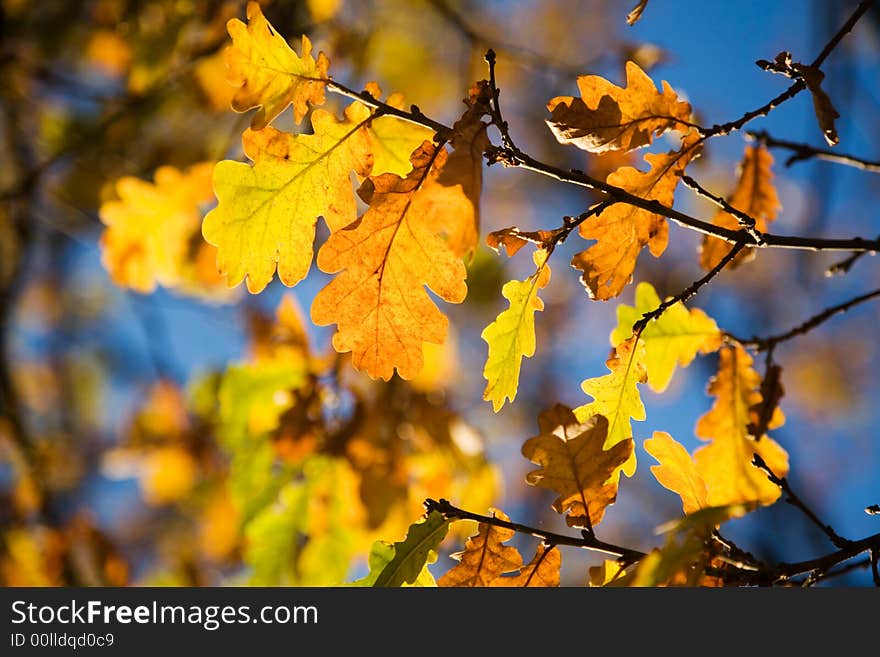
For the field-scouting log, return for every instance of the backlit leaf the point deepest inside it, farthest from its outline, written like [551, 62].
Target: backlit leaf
[677, 471]
[485, 557]
[754, 195]
[541, 571]
[609, 118]
[725, 464]
[269, 74]
[410, 557]
[616, 397]
[622, 230]
[379, 302]
[512, 335]
[676, 337]
[575, 464]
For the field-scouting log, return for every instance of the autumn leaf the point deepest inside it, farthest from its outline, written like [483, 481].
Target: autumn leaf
[676, 337]
[541, 571]
[616, 397]
[484, 558]
[636, 12]
[609, 118]
[407, 559]
[621, 230]
[269, 74]
[677, 471]
[512, 239]
[575, 464]
[392, 140]
[512, 335]
[378, 302]
[825, 112]
[266, 213]
[150, 226]
[725, 464]
[754, 195]
[610, 573]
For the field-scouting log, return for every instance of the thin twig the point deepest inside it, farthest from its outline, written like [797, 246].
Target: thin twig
[585, 541]
[746, 222]
[689, 291]
[791, 498]
[843, 267]
[802, 152]
[762, 344]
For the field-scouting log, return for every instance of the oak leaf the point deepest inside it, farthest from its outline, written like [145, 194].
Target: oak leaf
[825, 112]
[151, 225]
[754, 195]
[541, 571]
[725, 464]
[378, 302]
[405, 562]
[636, 12]
[616, 396]
[392, 140]
[512, 239]
[484, 558]
[608, 118]
[676, 337]
[512, 335]
[621, 230]
[575, 464]
[677, 471]
[266, 212]
[268, 73]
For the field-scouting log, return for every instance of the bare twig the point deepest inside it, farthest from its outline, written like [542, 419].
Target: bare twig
[746, 222]
[689, 291]
[762, 344]
[801, 152]
[794, 500]
[846, 264]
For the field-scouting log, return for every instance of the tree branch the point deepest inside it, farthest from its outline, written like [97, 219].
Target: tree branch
[796, 501]
[763, 344]
[803, 152]
[746, 222]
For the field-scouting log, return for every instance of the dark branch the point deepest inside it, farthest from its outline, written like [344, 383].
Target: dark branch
[586, 541]
[746, 222]
[796, 501]
[801, 152]
[762, 344]
[690, 291]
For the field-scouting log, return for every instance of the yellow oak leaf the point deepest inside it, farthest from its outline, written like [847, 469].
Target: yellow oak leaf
[609, 118]
[677, 471]
[676, 337]
[541, 571]
[610, 573]
[484, 558]
[268, 73]
[378, 302]
[725, 464]
[616, 397]
[512, 335]
[150, 226]
[392, 139]
[266, 212]
[754, 195]
[622, 230]
[575, 464]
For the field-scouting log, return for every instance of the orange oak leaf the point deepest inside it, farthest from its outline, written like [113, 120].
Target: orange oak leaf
[609, 118]
[575, 464]
[541, 571]
[456, 191]
[636, 12]
[754, 195]
[622, 229]
[485, 557]
[677, 471]
[151, 225]
[725, 464]
[378, 302]
[269, 74]
[513, 239]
